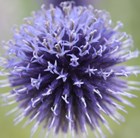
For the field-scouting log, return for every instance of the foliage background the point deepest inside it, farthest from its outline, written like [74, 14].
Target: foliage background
[13, 11]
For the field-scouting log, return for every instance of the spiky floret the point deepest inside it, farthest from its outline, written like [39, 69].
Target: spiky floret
[64, 67]
[77, 2]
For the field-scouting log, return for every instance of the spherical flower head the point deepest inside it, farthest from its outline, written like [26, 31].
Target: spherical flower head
[64, 65]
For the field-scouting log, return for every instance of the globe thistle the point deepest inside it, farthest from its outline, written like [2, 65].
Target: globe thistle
[65, 69]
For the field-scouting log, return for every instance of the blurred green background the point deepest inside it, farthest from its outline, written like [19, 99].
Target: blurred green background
[128, 11]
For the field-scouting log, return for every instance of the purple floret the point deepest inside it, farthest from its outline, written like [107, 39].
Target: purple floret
[77, 2]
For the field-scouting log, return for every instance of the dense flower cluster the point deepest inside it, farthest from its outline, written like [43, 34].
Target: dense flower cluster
[64, 65]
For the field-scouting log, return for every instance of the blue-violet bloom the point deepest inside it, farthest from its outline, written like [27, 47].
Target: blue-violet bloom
[65, 68]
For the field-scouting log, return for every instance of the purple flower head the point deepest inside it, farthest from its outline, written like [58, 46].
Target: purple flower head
[64, 65]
